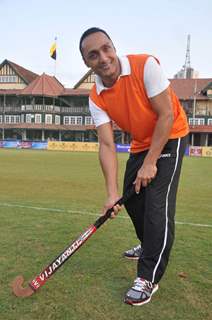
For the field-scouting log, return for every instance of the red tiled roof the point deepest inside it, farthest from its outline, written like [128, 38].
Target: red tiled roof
[27, 75]
[75, 92]
[44, 85]
[185, 88]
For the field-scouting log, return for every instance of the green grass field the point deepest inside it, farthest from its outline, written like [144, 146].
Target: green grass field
[91, 285]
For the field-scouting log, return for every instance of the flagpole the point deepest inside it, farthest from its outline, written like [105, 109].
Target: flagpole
[55, 63]
[55, 68]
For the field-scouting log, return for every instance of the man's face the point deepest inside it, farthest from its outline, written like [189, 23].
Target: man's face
[99, 54]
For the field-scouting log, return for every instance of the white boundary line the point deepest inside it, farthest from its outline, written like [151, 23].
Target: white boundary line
[89, 213]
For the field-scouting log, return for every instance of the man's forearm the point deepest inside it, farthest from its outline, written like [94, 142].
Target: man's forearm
[108, 161]
[159, 138]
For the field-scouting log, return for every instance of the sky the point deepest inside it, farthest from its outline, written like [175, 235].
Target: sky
[159, 28]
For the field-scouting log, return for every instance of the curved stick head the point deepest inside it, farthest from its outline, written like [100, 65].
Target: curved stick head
[18, 289]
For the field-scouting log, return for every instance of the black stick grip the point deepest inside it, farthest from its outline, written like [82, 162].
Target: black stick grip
[121, 201]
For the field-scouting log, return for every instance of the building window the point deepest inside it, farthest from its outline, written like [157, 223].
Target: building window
[10, 119]
[38, 118]
[57, 119]
[72, 120]
[17, 119]
[66, 120]
[196, 121]
[48, 118]
[79, 120]
[7, 119]
[210, 121]
[88, 120]
[28, 118]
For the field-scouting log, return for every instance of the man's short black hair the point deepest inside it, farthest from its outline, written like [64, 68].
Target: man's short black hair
[88, 32]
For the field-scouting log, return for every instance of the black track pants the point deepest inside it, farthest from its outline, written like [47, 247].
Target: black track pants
[152, 211]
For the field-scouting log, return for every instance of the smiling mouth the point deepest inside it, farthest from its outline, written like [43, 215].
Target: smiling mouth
[105, 67]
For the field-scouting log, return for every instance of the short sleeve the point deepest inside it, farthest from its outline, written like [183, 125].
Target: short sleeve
[99, 116]
[155, 80]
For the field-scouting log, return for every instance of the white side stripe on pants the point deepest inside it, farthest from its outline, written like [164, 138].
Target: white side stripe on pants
[167, 205]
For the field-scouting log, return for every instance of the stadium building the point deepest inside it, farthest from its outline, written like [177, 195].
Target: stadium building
[39, 108]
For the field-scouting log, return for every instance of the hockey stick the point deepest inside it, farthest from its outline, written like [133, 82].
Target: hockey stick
[41, 279]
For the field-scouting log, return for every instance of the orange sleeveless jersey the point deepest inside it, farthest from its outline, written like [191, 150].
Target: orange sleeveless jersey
[128, 105]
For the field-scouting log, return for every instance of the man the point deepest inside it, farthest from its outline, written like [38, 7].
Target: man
[133, 92]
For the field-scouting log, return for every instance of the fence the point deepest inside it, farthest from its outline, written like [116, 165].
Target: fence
[88, 147]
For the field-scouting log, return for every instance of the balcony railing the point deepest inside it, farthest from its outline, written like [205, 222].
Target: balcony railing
[51, 108]
[10, 109]
[40, 108]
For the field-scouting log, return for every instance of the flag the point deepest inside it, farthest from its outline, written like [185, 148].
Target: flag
[53, 50]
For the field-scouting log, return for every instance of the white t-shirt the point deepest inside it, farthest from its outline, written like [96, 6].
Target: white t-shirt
[155, 82]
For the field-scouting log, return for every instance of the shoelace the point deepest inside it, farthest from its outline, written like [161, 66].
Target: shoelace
[142, 285]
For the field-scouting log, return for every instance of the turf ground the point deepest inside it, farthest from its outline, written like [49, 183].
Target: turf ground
[92, 283]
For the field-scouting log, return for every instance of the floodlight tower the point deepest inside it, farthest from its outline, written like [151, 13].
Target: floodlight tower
[187, 72]
[187, 65]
